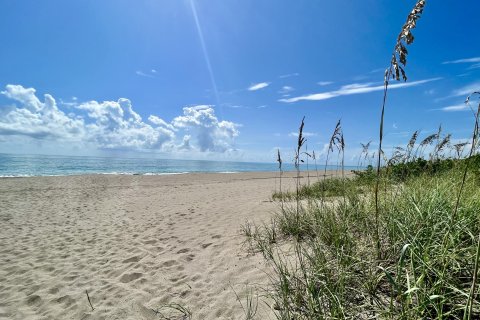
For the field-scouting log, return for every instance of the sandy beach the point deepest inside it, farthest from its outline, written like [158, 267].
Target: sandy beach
[135, 243]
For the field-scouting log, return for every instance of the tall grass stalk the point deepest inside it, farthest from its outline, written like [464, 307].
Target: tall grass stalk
[334, 142]
[397, 63]
[314, 157]
[471, 153]
[301, 140]
[471, 297]
[251, 302]
[279, 160]
[306, 158]
[364, 154]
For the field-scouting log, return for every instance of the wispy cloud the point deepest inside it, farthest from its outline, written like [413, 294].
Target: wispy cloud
[324, 83]
[305, 134]
[474, 66]
[286, 89]
[355, 88]
[148, 74]
[258, 86]
[468, 60]
[377, 70]
[461, 92]
[458, 107]
[466, 90]
[295, 74]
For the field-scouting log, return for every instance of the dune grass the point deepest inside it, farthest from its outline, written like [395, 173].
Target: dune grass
[331, 269]
[401, 241]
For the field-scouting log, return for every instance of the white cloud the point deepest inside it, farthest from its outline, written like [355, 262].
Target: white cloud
[110, 124]
[474, 66]
[463, 92]
[286, 89]
[468, 60]
[115, 125]
[324, 83]
[35, 118]
[466, 90]
[459, 107]
[150, 74]
[305, 134]
[160, 122]
[210, 133]
[377, 70]
[355, 88]
[295, 74]
[185, 143]
[258, 86]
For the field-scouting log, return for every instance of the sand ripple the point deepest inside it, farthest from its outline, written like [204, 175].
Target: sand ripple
[134, 242]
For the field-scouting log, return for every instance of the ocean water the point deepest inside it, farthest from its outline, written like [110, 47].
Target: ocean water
[42, 165]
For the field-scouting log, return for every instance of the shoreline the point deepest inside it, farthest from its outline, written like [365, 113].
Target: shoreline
[284, 173]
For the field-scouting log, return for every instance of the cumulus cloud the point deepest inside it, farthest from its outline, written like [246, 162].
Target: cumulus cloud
[160, 122]
[116, 125]
[111, 124]
[210, 133]
[185, 143]
[258, 86]
[31, 117]
[355, 88]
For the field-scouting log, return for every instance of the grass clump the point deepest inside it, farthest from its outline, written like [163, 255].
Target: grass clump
[332, 270]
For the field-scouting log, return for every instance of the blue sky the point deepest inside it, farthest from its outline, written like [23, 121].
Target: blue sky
[226, 79]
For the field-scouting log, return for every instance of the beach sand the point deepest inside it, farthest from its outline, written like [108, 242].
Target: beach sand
[135, 243]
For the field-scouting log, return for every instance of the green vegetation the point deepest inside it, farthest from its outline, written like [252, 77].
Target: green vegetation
[325, 258]
[399, 241]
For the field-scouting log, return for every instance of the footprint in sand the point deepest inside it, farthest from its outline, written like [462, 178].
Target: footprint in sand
[132, 259]
[150, 241]
[169, 263]
[34, 300]
[53, 290]
[130, 277]
[189, 257]
[66, 300]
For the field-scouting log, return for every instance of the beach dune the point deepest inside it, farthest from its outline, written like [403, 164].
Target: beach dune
[134, 243]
